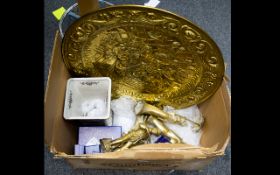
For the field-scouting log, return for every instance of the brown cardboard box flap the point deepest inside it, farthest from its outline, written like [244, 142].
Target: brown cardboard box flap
[50, 92]
[188, 153]
[54, 125]
[154, 152]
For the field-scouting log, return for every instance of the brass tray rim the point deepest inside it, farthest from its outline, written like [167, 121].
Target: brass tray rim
[219, 82]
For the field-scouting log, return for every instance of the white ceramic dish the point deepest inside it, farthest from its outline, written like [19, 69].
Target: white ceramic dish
[88, 99]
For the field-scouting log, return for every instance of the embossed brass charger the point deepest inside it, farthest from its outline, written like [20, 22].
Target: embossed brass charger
[150, 54]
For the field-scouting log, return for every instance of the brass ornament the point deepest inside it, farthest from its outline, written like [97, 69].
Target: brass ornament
[143, 108]
[174, 138]
[134, 137]
[150, 54]
[140, 135]
[105, 144]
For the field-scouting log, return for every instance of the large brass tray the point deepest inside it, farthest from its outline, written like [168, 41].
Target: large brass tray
[150, 54]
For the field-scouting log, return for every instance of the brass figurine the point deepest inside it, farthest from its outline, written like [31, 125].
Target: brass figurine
[149, 121]
[132, 138]
[196, 125]
[174, 138]
[140, 135]
[140, 119]
[145, 108]
[105, 144]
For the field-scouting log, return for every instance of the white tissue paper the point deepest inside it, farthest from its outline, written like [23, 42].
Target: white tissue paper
[123, 113]
[152, 3]
[187, 134]
[124, 116]
[93, 107]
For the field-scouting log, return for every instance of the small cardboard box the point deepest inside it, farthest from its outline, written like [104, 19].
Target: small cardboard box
[61, 135]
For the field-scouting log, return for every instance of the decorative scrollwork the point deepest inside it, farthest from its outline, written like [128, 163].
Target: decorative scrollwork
[149, 54]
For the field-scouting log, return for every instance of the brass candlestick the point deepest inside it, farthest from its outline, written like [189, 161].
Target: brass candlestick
[132, 138]
[145, 108]
[147, 114]
[174, 138]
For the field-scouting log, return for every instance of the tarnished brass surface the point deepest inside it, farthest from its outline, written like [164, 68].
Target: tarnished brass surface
[150, 54]
[132, 138]
[143, 108]
[174, 138]
[140, 135]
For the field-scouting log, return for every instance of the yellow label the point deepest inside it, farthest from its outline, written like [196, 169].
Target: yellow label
[58, 13]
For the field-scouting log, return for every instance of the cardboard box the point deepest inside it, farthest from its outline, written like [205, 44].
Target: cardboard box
[61, 135]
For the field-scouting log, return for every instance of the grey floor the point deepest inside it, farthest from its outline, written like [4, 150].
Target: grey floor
[214, 16]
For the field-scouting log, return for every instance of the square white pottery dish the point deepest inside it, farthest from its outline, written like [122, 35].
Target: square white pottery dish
[88, 99]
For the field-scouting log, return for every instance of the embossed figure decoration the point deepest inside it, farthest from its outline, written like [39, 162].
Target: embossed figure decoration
[150, 54]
